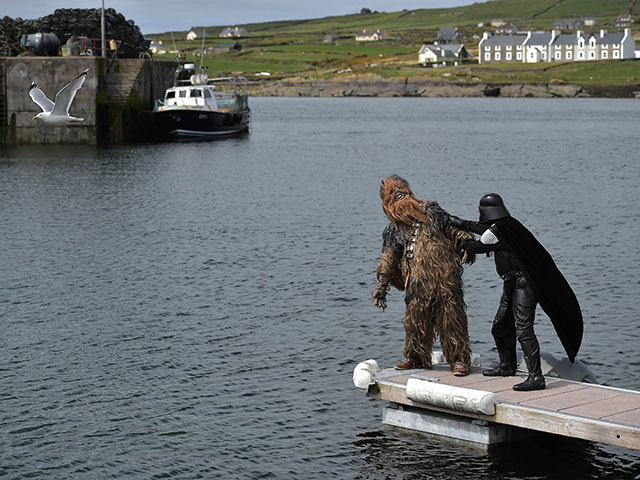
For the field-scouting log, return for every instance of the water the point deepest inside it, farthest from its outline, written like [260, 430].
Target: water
[196, 310]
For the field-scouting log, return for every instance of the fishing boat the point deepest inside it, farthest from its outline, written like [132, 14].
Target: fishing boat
[199, 106]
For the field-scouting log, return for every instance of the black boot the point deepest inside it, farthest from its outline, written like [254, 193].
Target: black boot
[501, 370]
[506, 367]
[535, 380]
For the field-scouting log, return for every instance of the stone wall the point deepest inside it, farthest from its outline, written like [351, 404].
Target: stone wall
[91, 102]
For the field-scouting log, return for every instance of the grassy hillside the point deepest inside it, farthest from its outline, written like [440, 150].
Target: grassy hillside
[295, 47]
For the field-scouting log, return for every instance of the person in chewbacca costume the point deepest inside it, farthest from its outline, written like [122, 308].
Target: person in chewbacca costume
[422, 255]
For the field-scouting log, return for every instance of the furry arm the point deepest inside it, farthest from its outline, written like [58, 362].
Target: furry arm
[458, 237]
[388, 273]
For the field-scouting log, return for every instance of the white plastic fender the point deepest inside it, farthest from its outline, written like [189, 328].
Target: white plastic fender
[453, 398]
[364, 373]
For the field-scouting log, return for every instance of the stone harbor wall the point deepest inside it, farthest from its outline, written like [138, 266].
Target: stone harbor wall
[115, 101]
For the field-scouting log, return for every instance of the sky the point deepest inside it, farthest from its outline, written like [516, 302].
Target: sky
[159, 16]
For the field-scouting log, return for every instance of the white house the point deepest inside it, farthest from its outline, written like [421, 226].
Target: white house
[234, 32]
[371, 36]
[192, 35]
[533, 47]
[434, 53]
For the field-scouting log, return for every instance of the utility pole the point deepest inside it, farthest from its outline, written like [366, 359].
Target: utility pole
[102, 40]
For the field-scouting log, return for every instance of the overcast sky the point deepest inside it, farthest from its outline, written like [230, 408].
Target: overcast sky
[164, 15]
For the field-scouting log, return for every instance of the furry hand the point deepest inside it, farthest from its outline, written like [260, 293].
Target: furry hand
[379, 296]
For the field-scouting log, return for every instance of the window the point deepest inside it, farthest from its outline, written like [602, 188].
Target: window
[171, 95]
[519, 56]
[196, 93]
[569, 55]
[558, 56]
[508, 47]
[580, 55]
[616, 54]
[508, 56]
[498, 56]
[497, 47]
[183, 93]
[592, 54]
[519, 47]
[207, 93]
[544, 55]
[605, 54]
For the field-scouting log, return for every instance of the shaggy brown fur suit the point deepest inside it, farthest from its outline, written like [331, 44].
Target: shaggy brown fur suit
[430, 275]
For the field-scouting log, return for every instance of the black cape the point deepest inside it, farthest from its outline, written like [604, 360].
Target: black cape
[552, 290]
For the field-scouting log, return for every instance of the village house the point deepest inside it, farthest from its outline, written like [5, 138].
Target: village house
[192, 35]
[508, 29]
[436, 54]
[330, 38]
[157, 47]
[234, 32]
[532, 47]
[371, 36]
[624, 20]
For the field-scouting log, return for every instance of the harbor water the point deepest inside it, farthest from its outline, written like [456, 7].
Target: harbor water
[195, 310]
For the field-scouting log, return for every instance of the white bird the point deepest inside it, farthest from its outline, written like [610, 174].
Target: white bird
[58, 113]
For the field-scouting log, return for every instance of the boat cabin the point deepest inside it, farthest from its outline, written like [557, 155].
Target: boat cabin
[200, 97]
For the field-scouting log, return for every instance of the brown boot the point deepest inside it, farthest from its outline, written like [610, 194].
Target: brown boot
[460, 369]
[408, 364]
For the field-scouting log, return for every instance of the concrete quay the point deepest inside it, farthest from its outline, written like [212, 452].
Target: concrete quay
[115, 101]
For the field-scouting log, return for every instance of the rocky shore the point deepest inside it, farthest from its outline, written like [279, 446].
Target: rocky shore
[418, 87]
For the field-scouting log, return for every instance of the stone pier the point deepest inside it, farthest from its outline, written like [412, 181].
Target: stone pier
[115, 101]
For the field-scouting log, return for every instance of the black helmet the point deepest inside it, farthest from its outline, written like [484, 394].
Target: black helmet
[492, 208]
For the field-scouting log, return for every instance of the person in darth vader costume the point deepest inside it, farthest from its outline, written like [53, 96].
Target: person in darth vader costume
[530, 277]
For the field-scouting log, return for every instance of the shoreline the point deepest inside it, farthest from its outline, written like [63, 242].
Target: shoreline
[418, 87]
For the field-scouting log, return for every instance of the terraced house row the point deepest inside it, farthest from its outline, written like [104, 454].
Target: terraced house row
[532, 47]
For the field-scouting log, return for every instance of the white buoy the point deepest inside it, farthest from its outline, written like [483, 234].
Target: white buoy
[452, 398]
[364, 374]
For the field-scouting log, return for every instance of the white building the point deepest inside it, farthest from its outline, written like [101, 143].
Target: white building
[533, 47]
[434, 53]
[371, 36]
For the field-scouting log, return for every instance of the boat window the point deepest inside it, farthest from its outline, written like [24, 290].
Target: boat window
[196, 93]
[171, 94]
[183, 93]
[207, 93]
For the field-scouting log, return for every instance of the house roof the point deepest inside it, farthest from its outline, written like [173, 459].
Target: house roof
[539, 38]
[565, 39]
[505, 40]
[447, 33]
[610, 38]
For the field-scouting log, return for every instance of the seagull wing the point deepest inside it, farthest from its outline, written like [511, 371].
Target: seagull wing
[40, 98]
[66, 95]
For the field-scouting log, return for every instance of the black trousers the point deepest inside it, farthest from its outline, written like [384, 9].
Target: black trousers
[514, 320]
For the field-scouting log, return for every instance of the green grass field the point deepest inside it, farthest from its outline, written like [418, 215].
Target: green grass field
[295, 47]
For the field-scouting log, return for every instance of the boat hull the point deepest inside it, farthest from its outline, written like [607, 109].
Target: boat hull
[184, 123]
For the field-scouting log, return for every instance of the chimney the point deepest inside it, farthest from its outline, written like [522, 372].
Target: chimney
[579, 33]
[602, 33]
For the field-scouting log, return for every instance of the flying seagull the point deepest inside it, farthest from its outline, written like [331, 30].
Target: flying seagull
[58, 113]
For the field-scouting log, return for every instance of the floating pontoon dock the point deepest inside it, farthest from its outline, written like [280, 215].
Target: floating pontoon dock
[484, 409]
